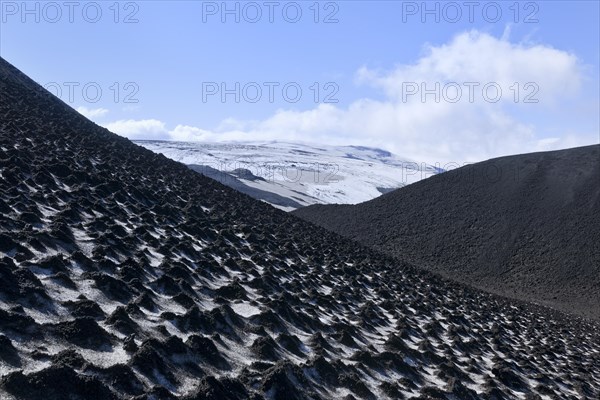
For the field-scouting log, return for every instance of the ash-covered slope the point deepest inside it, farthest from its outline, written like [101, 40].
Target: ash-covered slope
[527, 226]
[127, 275]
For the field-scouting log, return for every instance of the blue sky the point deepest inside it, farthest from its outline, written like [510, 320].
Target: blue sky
[156, 62]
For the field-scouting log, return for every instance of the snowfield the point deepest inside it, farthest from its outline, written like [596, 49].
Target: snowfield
[304, 173]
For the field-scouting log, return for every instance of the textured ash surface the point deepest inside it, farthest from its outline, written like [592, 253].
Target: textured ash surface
[525, 226]
[128, 276]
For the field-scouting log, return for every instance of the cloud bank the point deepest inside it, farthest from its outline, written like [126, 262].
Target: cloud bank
[459, 102]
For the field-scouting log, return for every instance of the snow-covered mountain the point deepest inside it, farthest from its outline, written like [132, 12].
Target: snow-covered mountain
[293, 175]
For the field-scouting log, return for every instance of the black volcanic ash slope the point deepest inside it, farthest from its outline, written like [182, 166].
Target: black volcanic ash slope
[526, 226]
[128, 276]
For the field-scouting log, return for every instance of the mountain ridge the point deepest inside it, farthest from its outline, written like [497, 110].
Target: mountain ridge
[296, 174]
[128, 276]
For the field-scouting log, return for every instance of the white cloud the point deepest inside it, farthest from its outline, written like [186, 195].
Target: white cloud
[139, 129]
[427, 130]
[92, 113]
[185, 133]
[481, 58]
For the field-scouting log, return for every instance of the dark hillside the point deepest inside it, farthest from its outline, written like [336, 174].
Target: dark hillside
[525, 226]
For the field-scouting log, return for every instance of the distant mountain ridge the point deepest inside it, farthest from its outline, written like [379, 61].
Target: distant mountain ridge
[526, 226]
[232, 179]
[295, 175]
